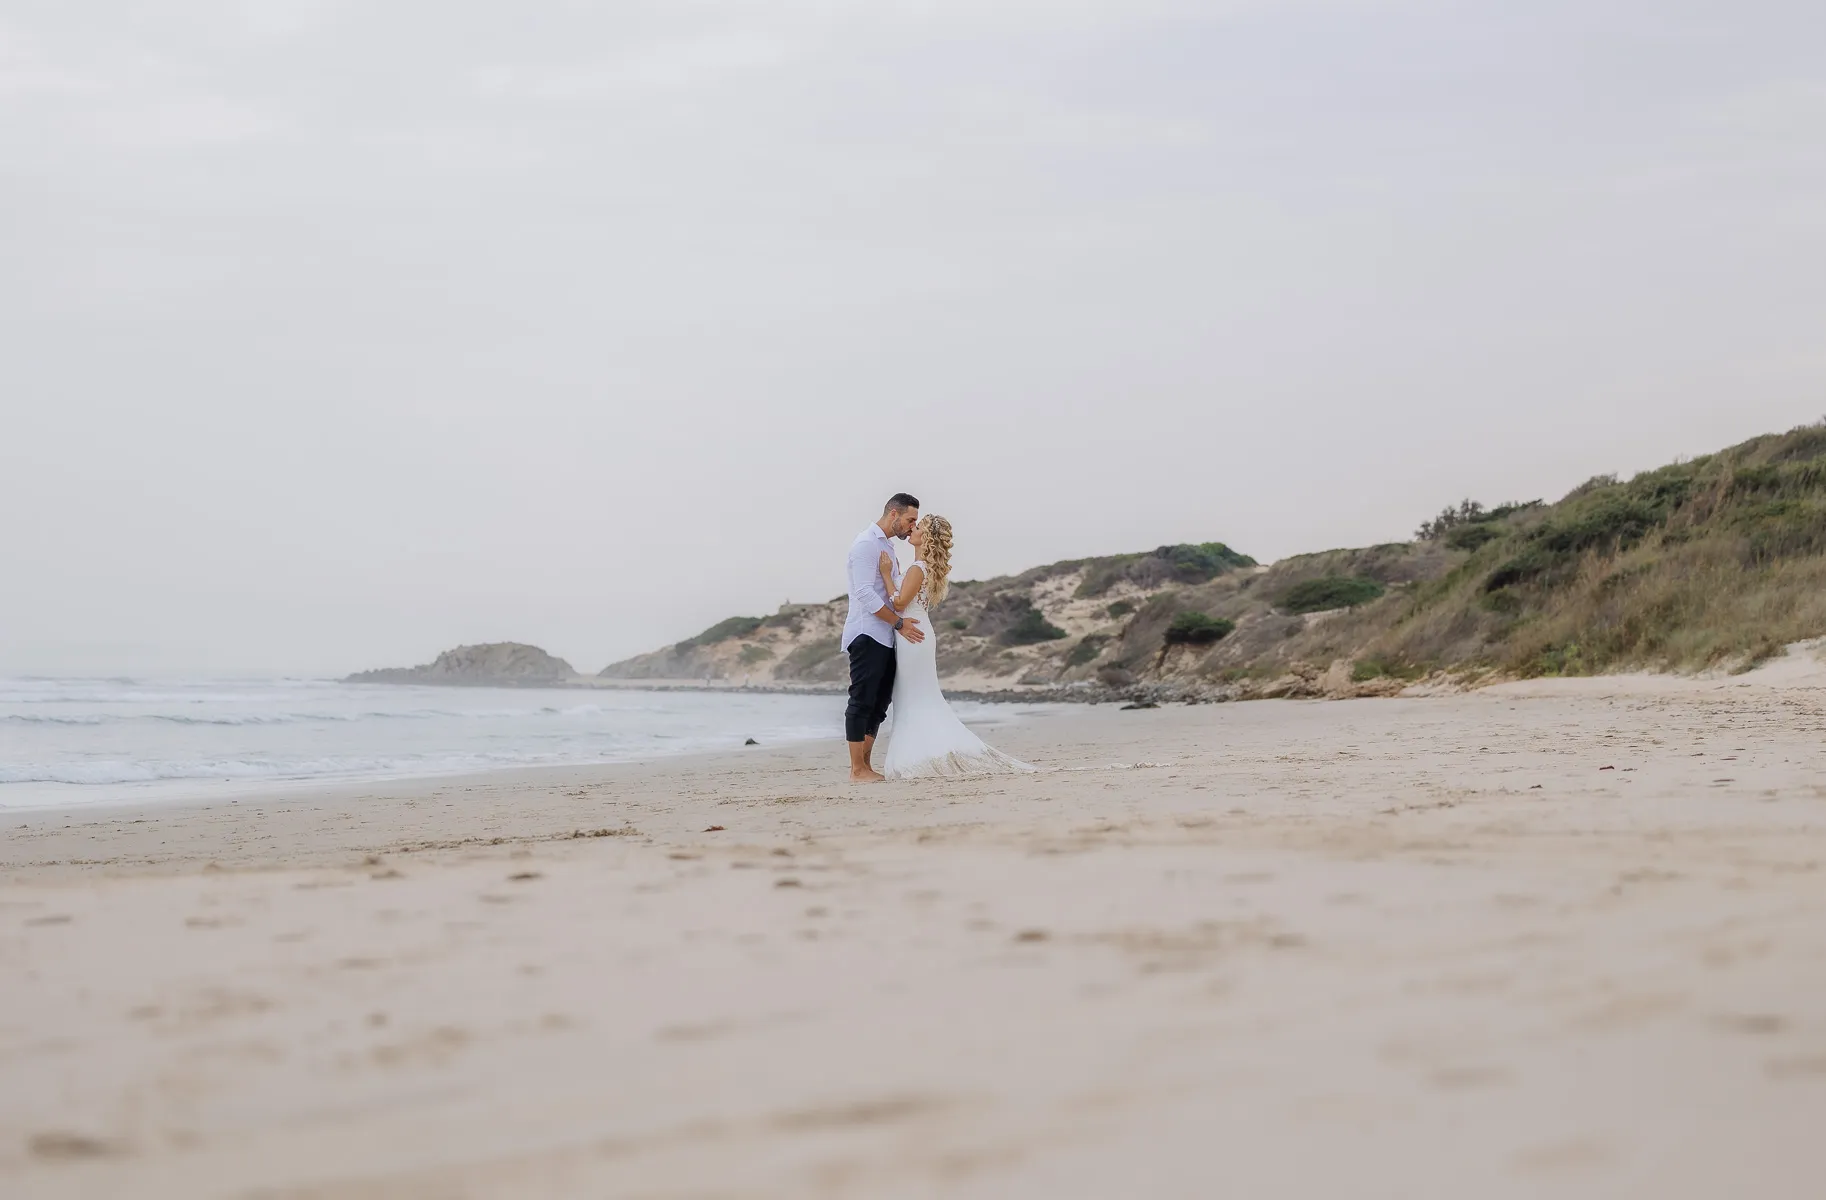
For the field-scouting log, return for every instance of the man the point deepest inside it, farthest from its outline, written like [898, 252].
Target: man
[868, 634]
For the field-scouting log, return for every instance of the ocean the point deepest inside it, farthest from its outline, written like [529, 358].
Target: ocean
[66, 741]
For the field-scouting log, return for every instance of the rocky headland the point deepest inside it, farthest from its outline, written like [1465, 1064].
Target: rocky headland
[492, 664]
[1712, 563]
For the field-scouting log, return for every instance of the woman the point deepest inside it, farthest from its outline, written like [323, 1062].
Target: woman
[926, 738]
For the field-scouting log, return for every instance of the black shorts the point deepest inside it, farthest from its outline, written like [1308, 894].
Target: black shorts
[871, 687]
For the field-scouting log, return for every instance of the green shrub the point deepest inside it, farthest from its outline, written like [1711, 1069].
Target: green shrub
[959, 623]
[1611, 517]
[755, 654]
[1201, 561]
[1779, 529]
[1087, 649]
[1529, 564]
[1030, 628]
[1120, 609]
[1596, 483]
[1188, 562]
[1456, 525]
[1621, 521]
[1198, 629]
[723, 630]
[1470, 537]
[1377, 667]
[1329, 591]
[806, 658]
[1567, 659]
[1502, 602]
[1466, 513]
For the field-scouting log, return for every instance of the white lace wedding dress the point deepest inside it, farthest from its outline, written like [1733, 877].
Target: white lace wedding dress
[925, 739]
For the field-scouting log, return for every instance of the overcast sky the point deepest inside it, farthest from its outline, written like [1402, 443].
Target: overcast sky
[333, 334]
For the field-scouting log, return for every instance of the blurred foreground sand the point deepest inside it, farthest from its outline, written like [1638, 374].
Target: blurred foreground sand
[1554, 940]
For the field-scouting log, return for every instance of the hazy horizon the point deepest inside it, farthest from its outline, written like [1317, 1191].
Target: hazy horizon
[337, 335]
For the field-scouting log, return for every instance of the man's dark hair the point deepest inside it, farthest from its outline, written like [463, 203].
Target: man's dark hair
[898, 501]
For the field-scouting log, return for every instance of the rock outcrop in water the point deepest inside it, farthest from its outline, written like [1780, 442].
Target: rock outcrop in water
[495, 664]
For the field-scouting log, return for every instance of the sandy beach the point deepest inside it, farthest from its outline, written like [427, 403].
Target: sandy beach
[1554, 939]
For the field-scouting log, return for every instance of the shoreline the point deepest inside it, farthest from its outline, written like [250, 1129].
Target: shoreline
[165, 794]
[1802, 668]
[1047, 693]
[384, 804]
[1800, 664]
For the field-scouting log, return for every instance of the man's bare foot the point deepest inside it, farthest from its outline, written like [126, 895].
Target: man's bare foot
[866, 775]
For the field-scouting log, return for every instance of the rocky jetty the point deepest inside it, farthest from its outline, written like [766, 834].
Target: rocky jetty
[494, 664]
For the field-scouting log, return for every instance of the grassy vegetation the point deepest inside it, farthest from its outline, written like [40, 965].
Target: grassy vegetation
[1468, 524]
[1376, 667]
[1470, 537]
[806, 658]
[1717, 559]
[1202, 561]
[1198, 629]
[1030, 628]
[1087, 649]
[1183, 563]
[1328, 592]
[753, 654]
[723, 630]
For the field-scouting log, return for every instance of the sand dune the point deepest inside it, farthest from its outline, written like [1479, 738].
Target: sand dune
[1564, 942]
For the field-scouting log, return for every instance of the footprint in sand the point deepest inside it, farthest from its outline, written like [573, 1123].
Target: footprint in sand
[1461, 1078]
[1798, 1066]
[431, 1048]
[1753, 1022]
[70, 1147]
[1573, 1154]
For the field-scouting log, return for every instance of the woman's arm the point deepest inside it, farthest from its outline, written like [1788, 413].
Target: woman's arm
[909, 587]
[886, 567]
[863, 594]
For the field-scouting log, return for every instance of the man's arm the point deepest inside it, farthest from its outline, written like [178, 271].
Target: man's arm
[906, 627]
[867, 592]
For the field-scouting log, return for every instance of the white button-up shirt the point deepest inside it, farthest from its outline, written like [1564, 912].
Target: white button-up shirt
[868, 595]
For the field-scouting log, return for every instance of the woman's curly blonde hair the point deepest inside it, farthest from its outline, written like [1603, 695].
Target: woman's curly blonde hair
[936, 552]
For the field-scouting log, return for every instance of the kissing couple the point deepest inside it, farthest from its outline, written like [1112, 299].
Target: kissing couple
[894, 654]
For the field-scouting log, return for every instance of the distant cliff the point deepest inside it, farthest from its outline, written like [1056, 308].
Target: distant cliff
[494, 664]
[1049, 625]
[1711, 562]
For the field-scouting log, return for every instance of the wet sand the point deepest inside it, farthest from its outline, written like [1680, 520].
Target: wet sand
[1559, 940]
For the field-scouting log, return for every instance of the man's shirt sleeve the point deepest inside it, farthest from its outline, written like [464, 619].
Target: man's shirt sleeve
[866, 591]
